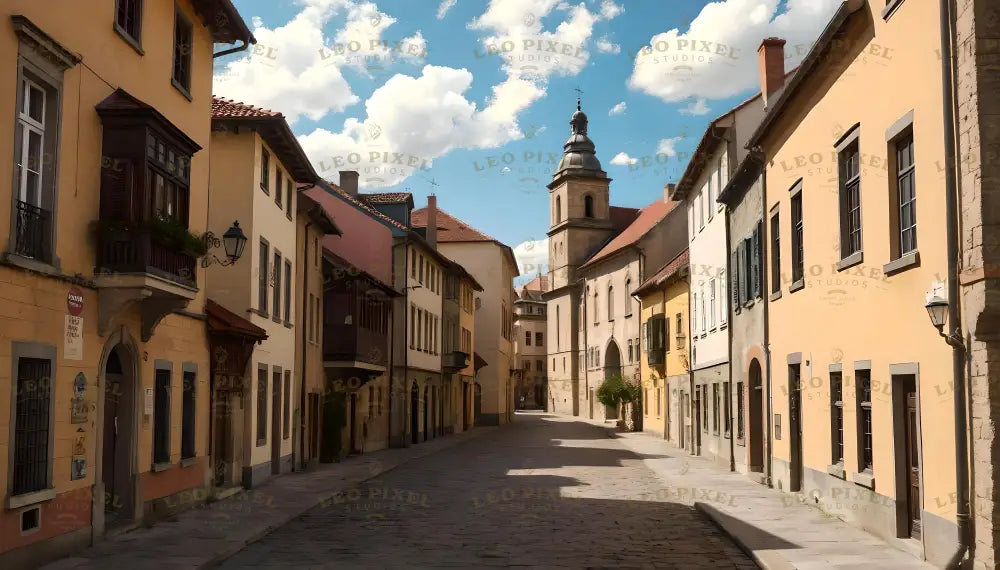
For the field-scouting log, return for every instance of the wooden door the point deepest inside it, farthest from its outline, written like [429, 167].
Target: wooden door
[795, 427]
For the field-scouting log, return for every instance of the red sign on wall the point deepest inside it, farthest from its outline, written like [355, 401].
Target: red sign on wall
[74, 301]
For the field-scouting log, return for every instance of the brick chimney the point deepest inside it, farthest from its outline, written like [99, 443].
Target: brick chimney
[432, 218]
[772, 66]
[349, 181]
[667, 191]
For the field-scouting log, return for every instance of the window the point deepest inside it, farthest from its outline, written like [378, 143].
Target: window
[701, 211]
[288, 197]
[188, 415]
[527, 339]
[864, 395]
[679, 328]
[710, 206]
[798, 257]
[286, 412]
[261, 404]
[701, 298]
[527, 365]
[595, 308]
[756, 274]
[33, 221]
[265, 170]
[628, 297]
[278, 194]
[726, 415]
[379, 400]
[183, 45]
[161, 417]
[837, 417]
[288, 292]
[540, 366]
[850, 200]
[588, 206]
[704, 408]
[553, 364]
[413, 324]
[739, 411]
[32, 425]
[371, 401]
[276, 277]
[413, 263]
[723, 292]
[128, 20]
[611, 303]
[716, 408]
[630, 353]
[538, 337]
[906, 193]
[558, 209]
[775, 254]
[711, 303]
[694, 312]
[420, 273]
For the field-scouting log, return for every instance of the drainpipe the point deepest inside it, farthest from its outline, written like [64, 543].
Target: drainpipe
[232, 50]
[729, 334]
[954, 296]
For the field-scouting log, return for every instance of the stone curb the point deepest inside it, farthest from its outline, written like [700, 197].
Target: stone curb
[229, 551]
[765, 559]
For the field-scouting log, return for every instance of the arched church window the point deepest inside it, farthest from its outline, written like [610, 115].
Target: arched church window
[588, 206]
[558, 209]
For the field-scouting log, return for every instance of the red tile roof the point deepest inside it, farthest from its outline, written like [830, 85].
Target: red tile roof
[665, 272]
[223, 108]
[646, 221]
[540, 283]
[387, 197]
[622, 217]
[331, 187]
[452, 230]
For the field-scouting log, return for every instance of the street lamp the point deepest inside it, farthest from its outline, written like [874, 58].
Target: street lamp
[232, 242]
[937, 310]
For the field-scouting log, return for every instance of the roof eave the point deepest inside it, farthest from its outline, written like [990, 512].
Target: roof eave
[294, 158]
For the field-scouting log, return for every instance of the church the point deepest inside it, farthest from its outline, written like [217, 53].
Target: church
[598, 256]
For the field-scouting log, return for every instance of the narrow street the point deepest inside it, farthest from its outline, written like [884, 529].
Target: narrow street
[544, 492]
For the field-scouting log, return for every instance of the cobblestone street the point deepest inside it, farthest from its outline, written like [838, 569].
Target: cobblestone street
[543, 492]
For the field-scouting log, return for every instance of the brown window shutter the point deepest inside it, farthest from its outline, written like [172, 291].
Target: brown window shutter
[117, 182]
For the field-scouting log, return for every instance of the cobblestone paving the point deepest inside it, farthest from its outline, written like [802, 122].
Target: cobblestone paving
[542, 493]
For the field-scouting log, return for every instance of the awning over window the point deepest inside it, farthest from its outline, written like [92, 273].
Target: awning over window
[231, 338]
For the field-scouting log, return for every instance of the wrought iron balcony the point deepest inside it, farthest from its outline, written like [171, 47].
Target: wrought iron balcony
[140, 252]
[31, 238]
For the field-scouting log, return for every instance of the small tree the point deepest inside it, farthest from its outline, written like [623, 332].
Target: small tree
[617, 392]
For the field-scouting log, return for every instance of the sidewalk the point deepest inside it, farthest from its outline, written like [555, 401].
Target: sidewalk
[208, 534]
[772, 527]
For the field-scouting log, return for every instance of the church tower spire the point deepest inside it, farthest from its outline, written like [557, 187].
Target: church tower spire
[579, 155]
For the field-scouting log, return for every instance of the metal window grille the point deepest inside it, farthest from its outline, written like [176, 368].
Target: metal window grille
[32, 425]
[865, 417]
[837, 415]
[188, 412]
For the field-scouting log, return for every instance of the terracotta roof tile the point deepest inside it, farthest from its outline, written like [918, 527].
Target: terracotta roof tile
[622, 217]
[665, 272]
[540, 283]
[331, 187]
[223, 108]
[451, 229]
[647, 219]
[387, 197]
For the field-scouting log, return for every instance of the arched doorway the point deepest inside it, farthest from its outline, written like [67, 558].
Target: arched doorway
[756, 424]
[612, 367]
[414, 413]
[118, 445]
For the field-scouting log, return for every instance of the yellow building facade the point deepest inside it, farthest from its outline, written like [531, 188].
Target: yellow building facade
[104, 374]
[664, 366]
[863, 421]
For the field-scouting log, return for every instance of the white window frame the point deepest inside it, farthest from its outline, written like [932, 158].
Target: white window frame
[29, 125]
[711, 313]
[723, 305]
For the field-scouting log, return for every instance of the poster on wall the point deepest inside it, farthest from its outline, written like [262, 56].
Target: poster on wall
[78, 469]
[73, 344]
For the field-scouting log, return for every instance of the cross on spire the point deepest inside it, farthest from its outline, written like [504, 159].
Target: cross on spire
[579, 92]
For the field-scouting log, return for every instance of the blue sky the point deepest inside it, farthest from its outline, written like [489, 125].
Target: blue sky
[409, 92]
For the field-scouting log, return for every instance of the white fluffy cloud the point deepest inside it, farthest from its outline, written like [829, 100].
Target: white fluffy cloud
[666, 147]
[618, 109]
[610, 10]
[444, 7]
[697, 107]
[532, 258]
[623, 159]
[413, 120]
[605, 45]
[717, 56]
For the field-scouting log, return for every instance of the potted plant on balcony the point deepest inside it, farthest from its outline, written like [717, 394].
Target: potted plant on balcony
[172, 233]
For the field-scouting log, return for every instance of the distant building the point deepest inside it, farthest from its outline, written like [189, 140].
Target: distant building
[530, 326]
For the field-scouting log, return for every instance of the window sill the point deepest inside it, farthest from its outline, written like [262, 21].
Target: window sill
[134, 43]
[748, 304]
[890, 9]
[161, 466]
[259, 313]
[181, 88]
[837, 470]
[288, 325]
[276, 319]
[628, 316]
[865, 479]
[906, 261]
[261, 442]
[31, 264]
[800, 284]
[33, 498]
[775, 296]
[851, 260]
[188, 461]
[741, 441]
[265, 189]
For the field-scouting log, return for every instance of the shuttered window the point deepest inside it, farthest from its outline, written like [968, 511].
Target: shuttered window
[755, 261]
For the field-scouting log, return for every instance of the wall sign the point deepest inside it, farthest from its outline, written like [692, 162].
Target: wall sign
[74, 301]
[148, 408]
[73, 338]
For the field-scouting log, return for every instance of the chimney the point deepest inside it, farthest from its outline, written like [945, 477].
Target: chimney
[667, 191]
[349, 181]
[431, 233]
[772, 66]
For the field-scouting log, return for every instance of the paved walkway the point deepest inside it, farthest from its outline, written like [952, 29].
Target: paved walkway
[773, 527]
[209, 534]
[542, 493]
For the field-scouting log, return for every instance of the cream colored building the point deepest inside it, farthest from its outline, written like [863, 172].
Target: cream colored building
[863, 413]
[530, 346]
[256, 167]
[104, 382]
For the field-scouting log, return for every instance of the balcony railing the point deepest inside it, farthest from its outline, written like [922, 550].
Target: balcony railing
[32, 231]
[140, 252]
[350, 343]
[656, 356]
